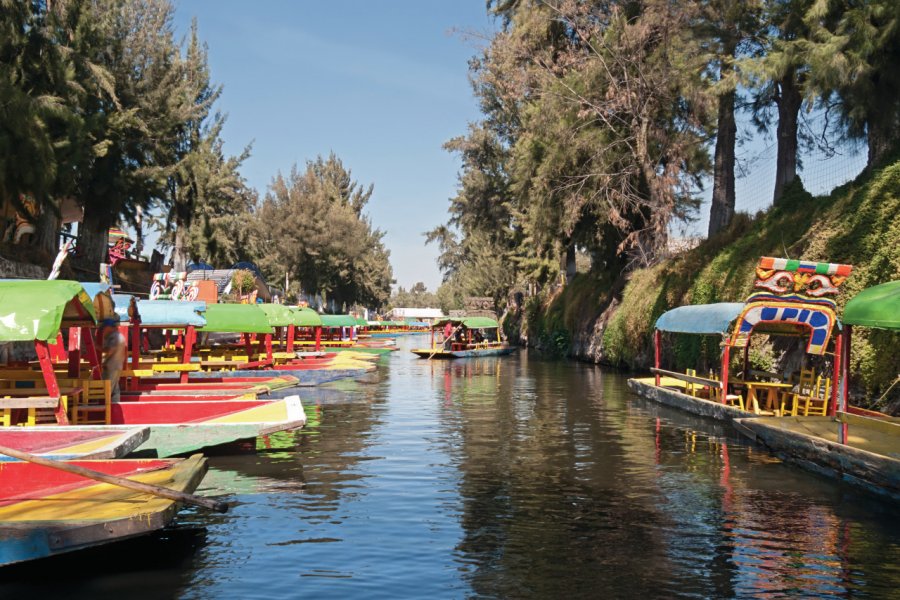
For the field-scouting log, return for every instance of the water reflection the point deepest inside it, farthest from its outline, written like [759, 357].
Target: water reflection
[518, 477]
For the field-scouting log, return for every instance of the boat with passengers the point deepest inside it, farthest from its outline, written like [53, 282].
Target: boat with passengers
[465, 337]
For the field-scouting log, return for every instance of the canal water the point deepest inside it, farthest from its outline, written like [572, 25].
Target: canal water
[520, 477]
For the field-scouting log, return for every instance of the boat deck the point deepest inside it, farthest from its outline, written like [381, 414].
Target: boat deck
[862, 436]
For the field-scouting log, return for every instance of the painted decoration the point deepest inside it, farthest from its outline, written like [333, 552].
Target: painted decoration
[788, 280]
[173, 286]
[818, 320]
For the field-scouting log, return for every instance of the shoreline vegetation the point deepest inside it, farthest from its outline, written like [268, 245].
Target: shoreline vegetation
[611, 321]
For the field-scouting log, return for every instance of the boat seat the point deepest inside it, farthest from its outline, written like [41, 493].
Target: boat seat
[814, 402]
[92, 407]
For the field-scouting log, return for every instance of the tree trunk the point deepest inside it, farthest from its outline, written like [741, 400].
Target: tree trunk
[47, 232]
[93, 241]
[722, 209]
[880, 138]
[139, 231]
[179, 253]
[570, 262]
[789, 101]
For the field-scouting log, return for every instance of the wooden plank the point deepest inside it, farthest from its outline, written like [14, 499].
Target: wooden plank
[687, 378]
[175, 367]
[33, 402]
[887, 424]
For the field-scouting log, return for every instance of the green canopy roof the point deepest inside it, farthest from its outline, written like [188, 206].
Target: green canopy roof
[469, 322]
[279, 315]
[236, 318]
[360, 322]
[35, 309]
[877, 306]
[306, 317]
[338, 321]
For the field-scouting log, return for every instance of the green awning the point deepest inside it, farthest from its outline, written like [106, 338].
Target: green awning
[360, 322]
[35, 309]
[877, 306]
[236, 318]
[279, 315]
[306, 317]
[469, 322]
[338, 321]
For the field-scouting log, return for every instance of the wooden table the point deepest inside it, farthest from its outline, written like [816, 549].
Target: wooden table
[767, 391]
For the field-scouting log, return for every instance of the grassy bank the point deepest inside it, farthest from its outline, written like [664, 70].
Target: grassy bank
[858, 224]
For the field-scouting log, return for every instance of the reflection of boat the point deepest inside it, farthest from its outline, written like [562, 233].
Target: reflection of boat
[463, 339]
[45, 512]
[92, 442]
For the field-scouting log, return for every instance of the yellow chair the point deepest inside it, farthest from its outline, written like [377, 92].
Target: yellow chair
[815, 401]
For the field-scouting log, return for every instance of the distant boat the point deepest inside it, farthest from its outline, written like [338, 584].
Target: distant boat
[469, 337]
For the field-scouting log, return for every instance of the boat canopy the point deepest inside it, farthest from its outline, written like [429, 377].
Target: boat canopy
[306, 317]
[338, 321]
[36, 309]
[279, 315]
[701, 319]
[877, 306]
[236, 318]
[469, 322]
[173, 314]
[360, 322]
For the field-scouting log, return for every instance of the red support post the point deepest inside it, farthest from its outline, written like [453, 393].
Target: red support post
[726, 359]
[318, 338]
[43, 353]
[268, 341]
[846, 344]
[92, 355]
[190, 335]
[836, 375]
[74, 352]
[291, 334]
[657, 336]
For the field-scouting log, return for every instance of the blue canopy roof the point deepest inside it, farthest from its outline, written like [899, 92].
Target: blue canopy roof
[93, 288]
[700, 318]
[171, 313]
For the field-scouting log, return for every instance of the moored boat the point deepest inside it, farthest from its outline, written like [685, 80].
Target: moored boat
[46, 512]
[70, 443]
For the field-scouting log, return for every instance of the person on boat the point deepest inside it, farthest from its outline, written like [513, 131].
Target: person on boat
[113, 355]
[448, 332]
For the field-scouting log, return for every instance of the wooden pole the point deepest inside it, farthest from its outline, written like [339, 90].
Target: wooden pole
[144, 488]
[656, 337]
[836, 374]
[726, 359]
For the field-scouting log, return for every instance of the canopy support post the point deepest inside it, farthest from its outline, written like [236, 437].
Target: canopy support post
[726, 360]
[74, 352]
[43, 353]
[318, 338]
[836, 374]
[846, 334]
[190, 334]
[291, 333]
[656, 339]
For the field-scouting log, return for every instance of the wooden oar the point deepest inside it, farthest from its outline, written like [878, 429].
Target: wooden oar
[449, 337]
[145, 488]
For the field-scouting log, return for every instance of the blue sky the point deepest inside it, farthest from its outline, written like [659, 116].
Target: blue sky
[381, 84]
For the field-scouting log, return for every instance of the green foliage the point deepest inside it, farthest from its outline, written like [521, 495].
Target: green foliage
[417, 296]
[243, 281]
[311, 226]
[857, 224]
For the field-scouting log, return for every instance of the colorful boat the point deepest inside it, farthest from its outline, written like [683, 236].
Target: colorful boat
[791, 298]
[188, 426]
[46, 512]
[860, 447]
[73, 442]
[464, 340]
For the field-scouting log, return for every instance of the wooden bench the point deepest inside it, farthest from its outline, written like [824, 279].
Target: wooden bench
[714, 385]
[175, 367]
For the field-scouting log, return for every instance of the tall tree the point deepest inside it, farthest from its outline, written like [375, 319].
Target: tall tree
[311, 226]
[124, 58]
[853, 51]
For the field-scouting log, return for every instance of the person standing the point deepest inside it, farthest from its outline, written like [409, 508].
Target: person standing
[113, 355]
